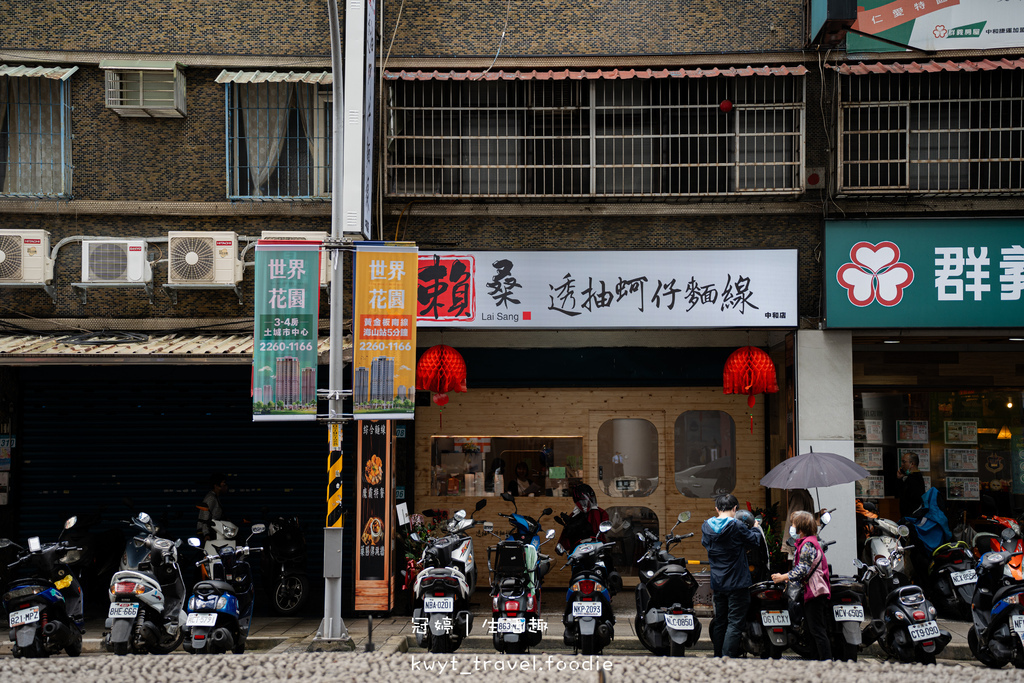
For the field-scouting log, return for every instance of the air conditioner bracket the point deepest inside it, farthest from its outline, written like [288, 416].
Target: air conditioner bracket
[172, 290]
[35, 285]
[83, 287]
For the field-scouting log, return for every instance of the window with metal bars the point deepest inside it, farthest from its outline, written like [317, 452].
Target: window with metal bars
[278, 141]
[624, 138]
[35, 137]
[951, 132]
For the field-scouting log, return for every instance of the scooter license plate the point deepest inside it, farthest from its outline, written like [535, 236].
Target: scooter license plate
[848, 612]
[201, 619]
[924, 631]
[511, 625]
[1017, 623]
[123, 609]
[679, 622]
[774, 618]
[960, 578]
[586, 609]
[24, 616]
[439, 604]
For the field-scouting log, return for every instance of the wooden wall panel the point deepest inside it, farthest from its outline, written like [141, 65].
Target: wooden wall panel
[580, 412]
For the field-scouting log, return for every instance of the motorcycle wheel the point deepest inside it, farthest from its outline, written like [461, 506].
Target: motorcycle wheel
[74, 648]
[972, 642]
[438, 645]
[168, 644]
[774, 651]
[290, 595]
[120, 649]
[518, 648]
[676, 649]
[588, 645]
[926, 659]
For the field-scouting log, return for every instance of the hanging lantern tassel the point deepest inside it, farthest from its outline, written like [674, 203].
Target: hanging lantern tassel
[750, 371]
[439, 370]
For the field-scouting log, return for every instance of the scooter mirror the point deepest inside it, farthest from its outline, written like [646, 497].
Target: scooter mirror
[684, 517]
[195, 542]
[508, 497]
[559, 549]
[459, 516]
[415, 536]
[34, 545]
[825, 518]
[481, 504]
[258, 529]
[6, 543]
[545, 512]
[550, 534]
[903, 530]
[605, 527]
[70, 523]
[144, 518]
[488, 527]
[640, 536]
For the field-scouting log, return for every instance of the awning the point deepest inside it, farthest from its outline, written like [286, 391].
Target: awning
[322, 77]
[614, 74]
[137, 65]
[57, 73]
[39, 349]
[862, 69]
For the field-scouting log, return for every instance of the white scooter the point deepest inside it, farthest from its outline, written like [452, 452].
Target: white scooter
[147, 594]
[885, 542]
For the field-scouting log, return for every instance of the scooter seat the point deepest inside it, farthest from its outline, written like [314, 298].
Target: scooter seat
[214, 587]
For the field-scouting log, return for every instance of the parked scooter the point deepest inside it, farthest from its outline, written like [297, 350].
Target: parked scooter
[516, 569]
[766, 627]
[219, 612]
[93, 565]
[44, 599]
[666, 623]
[902, 619]
[884, 541]
[442, 590]
[951, 579]
[588, 618]
[147, 594]
[990, 538]
[997, 635]
[284, 565]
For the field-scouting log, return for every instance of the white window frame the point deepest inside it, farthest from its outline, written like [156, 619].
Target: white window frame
[144, 89]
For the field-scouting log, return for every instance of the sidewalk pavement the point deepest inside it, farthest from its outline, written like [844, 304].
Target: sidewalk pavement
[395, 633]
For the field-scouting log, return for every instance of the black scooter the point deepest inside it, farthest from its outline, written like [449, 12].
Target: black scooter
[284, 565]
[665, 621]
[767, 626]
[996, 637]
[44, 599]
[951, 579]
[588, 618]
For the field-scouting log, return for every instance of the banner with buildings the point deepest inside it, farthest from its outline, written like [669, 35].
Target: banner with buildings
[924, 273]
[287, 310]
[608, 289]
[933, 25]
[384, 339]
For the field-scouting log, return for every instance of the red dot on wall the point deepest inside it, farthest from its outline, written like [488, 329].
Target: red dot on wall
[813, 179]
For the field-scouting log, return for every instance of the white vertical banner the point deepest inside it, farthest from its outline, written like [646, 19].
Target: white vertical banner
[355, 125]
[371, 49]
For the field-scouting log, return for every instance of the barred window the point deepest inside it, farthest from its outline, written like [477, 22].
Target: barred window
[35, 135]
[278, 141]
[947, 132]
[652, 137]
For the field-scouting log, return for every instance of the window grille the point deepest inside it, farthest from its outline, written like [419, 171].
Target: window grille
[621, 138]
[278, 141]
[935, 133]
[35, 136]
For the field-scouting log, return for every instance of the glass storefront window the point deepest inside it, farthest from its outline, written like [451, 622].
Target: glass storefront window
[627, 521]
[967, 444]
[705, 456]
[627, 458]
[489, 465]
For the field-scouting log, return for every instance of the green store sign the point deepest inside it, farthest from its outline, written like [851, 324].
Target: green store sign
[921, 273]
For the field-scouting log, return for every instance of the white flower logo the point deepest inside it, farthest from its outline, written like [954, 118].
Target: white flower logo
[940, 31]
[875, 274]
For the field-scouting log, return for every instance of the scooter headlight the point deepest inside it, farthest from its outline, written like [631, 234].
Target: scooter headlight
[931, 611]
[222, 602]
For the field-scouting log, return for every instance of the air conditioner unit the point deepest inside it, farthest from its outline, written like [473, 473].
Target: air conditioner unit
[25, 257]
[115, 261]
[196, 258]
[325, 260]
[144, 88]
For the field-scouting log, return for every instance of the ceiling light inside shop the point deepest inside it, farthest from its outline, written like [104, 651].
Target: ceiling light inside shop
[1004, 433]
[891, 341]
[1016, 338]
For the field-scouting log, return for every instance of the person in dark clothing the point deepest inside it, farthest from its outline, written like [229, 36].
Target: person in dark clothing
[727, 541]
[584, 522]
[810, 562]
[911, 484]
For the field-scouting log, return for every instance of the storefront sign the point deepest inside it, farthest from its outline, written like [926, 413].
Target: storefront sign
[373, 515]
[287, 307]
[608, 289]
[937, 25]
[917, 273]
[384, 357]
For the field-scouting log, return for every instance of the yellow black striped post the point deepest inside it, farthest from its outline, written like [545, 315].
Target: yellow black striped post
[335, 518]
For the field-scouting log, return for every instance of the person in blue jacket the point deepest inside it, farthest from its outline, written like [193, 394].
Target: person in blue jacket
[727, 541]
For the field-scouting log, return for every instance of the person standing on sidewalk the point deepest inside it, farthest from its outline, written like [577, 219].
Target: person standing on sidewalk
[726, 541]
[811, 571]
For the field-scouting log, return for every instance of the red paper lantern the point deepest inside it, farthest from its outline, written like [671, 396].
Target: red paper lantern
[439, 370]
[725, 106]
[750, 371]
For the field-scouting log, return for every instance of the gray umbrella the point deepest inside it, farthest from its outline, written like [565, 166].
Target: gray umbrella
[813, 470]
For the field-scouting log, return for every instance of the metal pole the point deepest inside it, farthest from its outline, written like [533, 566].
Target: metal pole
[333, 627]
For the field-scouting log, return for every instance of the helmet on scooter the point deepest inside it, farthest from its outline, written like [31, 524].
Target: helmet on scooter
[746, 517]
[584, 497]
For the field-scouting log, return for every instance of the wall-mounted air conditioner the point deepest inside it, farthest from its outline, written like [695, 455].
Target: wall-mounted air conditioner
[325, 259]
[196, 258]
[144, 88]
[112, 261]
[25, 257]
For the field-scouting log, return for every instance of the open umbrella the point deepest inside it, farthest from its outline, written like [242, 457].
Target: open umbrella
[813, 470]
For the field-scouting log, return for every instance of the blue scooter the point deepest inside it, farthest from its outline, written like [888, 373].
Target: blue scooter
[219, 612]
